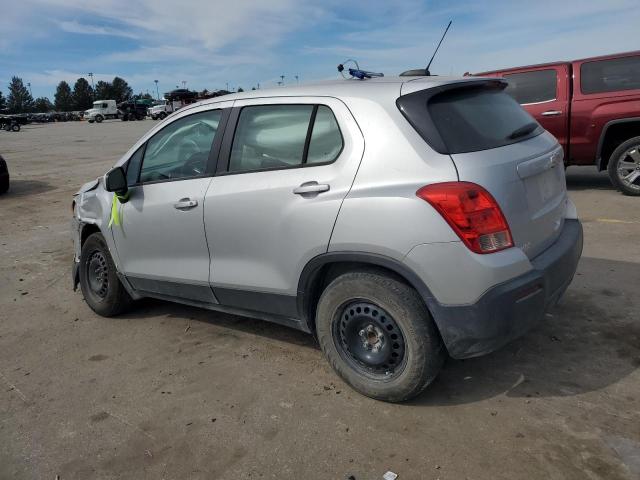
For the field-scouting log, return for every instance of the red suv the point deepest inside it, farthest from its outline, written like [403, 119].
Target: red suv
[592, 106]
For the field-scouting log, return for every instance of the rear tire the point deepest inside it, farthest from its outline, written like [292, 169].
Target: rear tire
[162, 115]
[624, 164]
[99, 118]
[378, 335]
[15, 127]
[99, 281]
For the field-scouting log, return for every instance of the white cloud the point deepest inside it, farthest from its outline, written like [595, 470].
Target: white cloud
[207, 43]
[88, 29]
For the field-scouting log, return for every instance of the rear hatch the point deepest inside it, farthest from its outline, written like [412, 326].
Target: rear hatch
[496, 144]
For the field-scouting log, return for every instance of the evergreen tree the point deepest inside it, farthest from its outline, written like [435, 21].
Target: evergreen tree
[82, 95]
[103, 91]
[20, 100]
[3, 102]
[63, 97]
[120, 90]
[42, 104]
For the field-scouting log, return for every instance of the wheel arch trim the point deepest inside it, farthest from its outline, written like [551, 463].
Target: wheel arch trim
[312, 269]
[603, 135]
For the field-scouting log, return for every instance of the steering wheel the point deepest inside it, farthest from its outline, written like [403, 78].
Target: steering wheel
[195, 165]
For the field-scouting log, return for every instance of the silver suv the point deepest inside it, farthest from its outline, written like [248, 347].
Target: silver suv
[400, 220]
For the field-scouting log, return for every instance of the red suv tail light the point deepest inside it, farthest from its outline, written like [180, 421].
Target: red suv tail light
[472, 213]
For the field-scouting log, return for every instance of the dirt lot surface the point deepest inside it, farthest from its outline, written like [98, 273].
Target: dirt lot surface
[172, 392]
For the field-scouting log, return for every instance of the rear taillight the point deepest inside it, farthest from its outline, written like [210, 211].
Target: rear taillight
[472, 213]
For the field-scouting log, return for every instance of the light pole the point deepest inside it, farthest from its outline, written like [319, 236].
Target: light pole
[93, 90]
[157, 92]
[297, 80]
[282, 79]
[227, 86]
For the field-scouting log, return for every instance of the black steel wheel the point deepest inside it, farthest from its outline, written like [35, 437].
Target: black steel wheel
[370, 339]
[101, 287]
[378, 335]
[98, 273]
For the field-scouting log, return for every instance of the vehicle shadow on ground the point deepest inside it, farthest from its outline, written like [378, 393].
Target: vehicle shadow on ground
[587, 342]
[587, 178]
[20, 188]
[150, 307]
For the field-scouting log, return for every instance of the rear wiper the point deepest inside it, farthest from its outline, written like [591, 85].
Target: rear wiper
[522, 131]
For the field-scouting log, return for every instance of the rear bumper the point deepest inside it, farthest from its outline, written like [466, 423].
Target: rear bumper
[510, 309]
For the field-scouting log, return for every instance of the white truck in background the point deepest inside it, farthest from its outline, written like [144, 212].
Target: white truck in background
[161, 110]
[101, 110]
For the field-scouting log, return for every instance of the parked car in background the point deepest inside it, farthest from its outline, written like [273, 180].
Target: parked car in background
[101, 110]
[592, 106]
[450, 233]
[4, 176]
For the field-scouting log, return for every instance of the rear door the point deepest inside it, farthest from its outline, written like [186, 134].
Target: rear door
[285, 167]
[544, 93]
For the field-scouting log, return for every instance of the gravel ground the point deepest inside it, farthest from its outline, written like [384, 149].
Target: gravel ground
[172, 392]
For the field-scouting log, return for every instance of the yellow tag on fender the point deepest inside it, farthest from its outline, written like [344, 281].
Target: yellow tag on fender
[115, 209]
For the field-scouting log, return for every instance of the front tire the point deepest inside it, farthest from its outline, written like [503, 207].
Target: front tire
[99, 118]
[99, 281]
[162, 115]
[624, 167]
[378, 335]
[15, 127]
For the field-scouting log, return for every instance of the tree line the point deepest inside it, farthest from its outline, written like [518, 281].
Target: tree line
[81, 97]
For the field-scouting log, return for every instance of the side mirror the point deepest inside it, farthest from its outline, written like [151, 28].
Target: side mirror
[116, 181]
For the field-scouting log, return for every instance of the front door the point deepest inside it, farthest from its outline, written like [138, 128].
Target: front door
[161, 240]
[285, 170]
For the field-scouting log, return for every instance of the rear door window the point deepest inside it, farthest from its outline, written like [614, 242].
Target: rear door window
[610, 75]
[532, 87]
[269, 137]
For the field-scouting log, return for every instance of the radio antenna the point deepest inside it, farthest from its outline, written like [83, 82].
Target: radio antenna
[426, 70]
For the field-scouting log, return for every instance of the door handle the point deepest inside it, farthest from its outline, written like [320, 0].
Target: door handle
[311, 187]
[551, 113]
[185, 204]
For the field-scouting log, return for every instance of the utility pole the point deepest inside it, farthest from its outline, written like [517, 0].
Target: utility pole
[93, 90]
[157, 92]
[258, 85]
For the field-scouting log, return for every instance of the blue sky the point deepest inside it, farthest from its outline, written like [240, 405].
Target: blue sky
[208, 43]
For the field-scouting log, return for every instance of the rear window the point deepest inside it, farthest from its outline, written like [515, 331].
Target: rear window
[468, 119]
[532, 87]
[610, 75]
